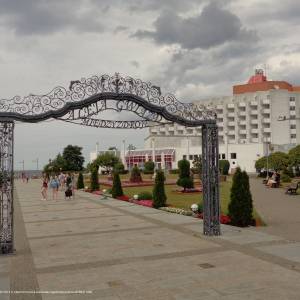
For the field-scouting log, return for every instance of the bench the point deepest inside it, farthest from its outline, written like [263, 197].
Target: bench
[292, 188]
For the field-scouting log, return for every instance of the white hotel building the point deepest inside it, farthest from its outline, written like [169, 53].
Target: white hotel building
[248, 126]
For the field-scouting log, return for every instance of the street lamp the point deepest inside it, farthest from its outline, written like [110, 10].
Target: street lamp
[37, 163]
[266, 140]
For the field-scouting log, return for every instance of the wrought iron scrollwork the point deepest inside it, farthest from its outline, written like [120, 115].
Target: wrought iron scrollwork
[115, 87]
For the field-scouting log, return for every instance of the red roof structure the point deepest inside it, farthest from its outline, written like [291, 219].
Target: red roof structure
[259, 82]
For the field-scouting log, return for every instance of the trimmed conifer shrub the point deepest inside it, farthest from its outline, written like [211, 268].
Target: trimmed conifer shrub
[240, 208]
[135, 175]
[116, 190]
[159, 195]
[149, 167]
[94, 180]
[224, 166]
[80, 183]
[185, 180]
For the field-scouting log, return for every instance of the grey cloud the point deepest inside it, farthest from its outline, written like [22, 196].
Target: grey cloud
[40, 17]
[214, 26]
[120, 28]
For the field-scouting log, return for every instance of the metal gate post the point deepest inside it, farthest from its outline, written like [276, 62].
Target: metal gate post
[210, 180]
[6, 187]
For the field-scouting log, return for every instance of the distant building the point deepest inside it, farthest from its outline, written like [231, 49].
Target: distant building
[249, 124]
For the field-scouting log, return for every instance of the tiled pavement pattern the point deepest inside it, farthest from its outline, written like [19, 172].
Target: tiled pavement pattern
[119, 250]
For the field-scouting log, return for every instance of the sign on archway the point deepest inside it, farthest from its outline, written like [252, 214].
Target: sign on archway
[82, 103]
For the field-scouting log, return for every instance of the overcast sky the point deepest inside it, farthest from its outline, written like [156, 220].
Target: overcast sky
[194, 49]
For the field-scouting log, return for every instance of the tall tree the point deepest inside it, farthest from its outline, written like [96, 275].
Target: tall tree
[116, 190]
[240, 207]
[94, 180]
[106, 160]
[73, 158]
[185, 180]
[80, 182]
[159, 195]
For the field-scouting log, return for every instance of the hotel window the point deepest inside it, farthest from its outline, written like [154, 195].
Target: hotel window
[293, 127]
[223, 156]
[293, 136]
[233, 155]
[184, 157]
[292, 99]
[190, 157]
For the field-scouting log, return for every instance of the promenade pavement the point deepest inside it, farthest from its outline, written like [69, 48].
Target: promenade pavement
[281, 212]
[118, 250]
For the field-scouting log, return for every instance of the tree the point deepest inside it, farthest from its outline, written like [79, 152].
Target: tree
[240, 208]
[94, 180]
[116, 190]
[224, 166]
[294, 156]
[119, 167]
[107, 160]
[131, 147]
[159, 195]
[73, 158]
[80, 182]
[113, 148]
[185, 180]
[135, 175]
[149, 167]
[276, 161]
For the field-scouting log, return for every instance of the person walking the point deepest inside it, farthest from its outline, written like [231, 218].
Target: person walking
[54, 184]
[62, 180]
[44, 188]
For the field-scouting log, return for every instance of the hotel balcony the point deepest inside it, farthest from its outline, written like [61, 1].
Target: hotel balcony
[293, 122]
[231, 132]
[242, 131]
[266, 111]
[266, 120]
[242, 113]
[293, 131]
[219, 107]
[220, 124]
[231, 123]
[253, 112]
[254, 140]
[254, 130]
[230, 105]
[242, 104]
[253, 103]
[266, 102]
[292, 104]
[231, 115]
[267, 130]
[292, 113]
[243, 122]
[254, 122]
[171, 128]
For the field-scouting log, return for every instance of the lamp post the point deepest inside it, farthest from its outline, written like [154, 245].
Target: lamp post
[37, 163]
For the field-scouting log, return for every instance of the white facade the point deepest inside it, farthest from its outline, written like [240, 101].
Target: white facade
[247, 123]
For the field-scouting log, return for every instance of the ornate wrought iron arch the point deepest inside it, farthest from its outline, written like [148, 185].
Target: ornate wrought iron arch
[82, 103]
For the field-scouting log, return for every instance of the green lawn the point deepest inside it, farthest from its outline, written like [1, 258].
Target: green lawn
[182, 200]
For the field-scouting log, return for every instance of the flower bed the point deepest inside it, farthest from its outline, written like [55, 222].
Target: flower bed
[224, 219]
[175, 210]
[123, 198]
[148, 203]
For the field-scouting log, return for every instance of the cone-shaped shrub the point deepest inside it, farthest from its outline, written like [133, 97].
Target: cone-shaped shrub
[116, 190]
[240, 207]
[185, 180]
[94, 180]
[80, 183]
[159, 195]
[135, 175]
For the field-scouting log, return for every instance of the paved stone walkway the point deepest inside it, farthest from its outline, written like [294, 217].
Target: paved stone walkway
[119, 250]
[280, 211]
